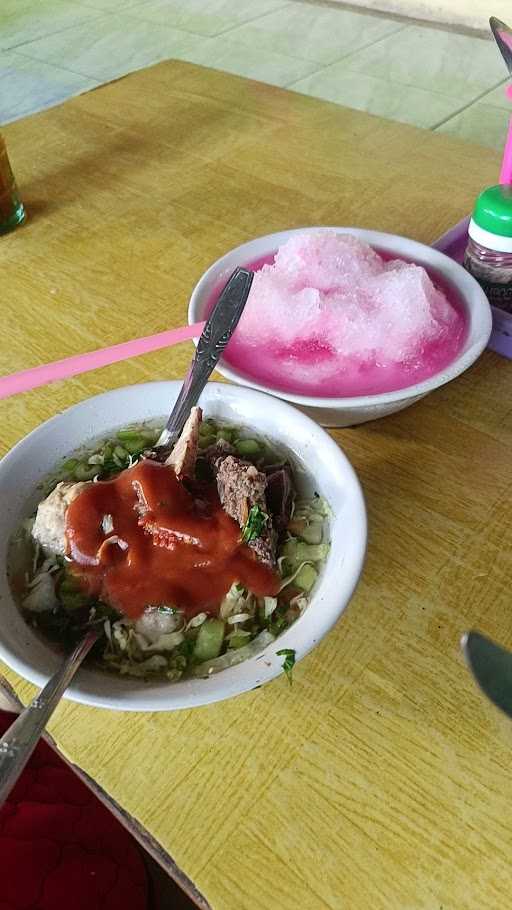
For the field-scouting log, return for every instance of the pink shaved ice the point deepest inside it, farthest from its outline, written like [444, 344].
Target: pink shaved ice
[332, 317]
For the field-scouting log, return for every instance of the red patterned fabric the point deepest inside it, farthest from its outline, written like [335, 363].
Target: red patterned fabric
[60, 848]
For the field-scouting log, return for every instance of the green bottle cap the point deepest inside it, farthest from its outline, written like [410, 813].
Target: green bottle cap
[491, 224]
[493, 210]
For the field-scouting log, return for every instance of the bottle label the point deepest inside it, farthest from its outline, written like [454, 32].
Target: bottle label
[499, 294]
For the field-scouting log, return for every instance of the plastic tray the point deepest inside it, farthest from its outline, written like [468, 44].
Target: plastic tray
[453, 244]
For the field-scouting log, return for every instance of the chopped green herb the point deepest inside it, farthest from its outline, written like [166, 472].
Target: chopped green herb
[256, 521]
[288, 662]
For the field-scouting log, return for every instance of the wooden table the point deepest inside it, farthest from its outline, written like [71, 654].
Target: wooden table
[381, 779]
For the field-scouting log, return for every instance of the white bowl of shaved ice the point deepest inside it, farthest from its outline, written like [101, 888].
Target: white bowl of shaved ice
[348, 324]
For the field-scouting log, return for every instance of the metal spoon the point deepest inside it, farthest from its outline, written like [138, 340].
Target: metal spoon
[20, 740]
[491, 665]
[216, 334]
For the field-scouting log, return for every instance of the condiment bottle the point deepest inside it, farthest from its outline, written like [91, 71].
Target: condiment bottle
[12, 211]
[488, 254]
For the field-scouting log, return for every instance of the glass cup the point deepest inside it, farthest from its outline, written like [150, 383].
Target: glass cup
[12, 210]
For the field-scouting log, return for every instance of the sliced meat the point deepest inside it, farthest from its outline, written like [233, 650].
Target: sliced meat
[241, 486]
[49, 525]
[280, 495]
[219, 449]
[184, 454]
[265, 547]
[206, 463]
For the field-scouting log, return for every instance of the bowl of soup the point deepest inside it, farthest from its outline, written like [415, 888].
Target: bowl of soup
[348, 324]
[204, 577]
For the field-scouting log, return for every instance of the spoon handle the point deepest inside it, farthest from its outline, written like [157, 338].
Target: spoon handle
[210, 347]
[20, 740]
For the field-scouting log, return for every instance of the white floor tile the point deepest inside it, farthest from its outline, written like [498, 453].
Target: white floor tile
[317, 33]
[31, 85]
[205, 17]
[377, 96]
[480, 123]
[111, 46]
[432, 60]
[26, 20]
[227, 54]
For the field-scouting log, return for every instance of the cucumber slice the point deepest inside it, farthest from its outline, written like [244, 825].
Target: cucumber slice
[70, 465]
[290, 549]
[135, 446]
[313, 532]
[120, 452]
[311, 552]
[209, 640]
[239, 639]
[206, 441]
[248, 447]
[207, 428]
[85, 471]
[306, 578]
[127, 434]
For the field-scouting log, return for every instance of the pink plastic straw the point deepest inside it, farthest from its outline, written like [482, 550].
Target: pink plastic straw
[506, 164]
[82, 363]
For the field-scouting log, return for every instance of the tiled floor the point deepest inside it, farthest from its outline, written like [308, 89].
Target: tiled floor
[433, 78]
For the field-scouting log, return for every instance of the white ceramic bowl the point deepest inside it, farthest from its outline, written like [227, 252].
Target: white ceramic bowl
[328, 471]
[341, 412]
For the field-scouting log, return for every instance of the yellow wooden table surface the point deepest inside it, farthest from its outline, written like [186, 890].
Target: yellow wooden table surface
[381, 779]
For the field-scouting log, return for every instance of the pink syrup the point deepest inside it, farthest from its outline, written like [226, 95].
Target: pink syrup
[312, 368]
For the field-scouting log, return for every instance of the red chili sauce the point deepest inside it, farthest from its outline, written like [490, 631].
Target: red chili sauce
[168, 544]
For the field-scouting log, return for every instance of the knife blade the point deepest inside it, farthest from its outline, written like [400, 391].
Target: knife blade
[491, 666]
[503, 37]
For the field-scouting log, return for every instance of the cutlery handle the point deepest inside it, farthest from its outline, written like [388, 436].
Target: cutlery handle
[20, 740]
[210, 347]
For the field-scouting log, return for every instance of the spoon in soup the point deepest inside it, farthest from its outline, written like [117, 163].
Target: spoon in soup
[20, 740]
[210, 347]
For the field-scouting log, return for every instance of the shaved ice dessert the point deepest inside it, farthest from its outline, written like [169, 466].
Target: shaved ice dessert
[329, 316]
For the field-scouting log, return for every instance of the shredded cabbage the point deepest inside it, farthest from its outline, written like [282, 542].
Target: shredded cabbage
[42, 596]
[237, 601]
[231, 658]
[270, 603]
[167, 642]
[238, 617]
[153, 665]
[196, 621]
